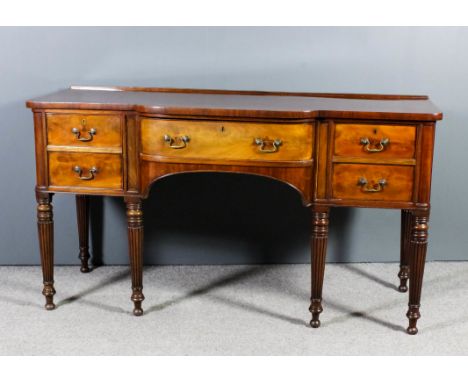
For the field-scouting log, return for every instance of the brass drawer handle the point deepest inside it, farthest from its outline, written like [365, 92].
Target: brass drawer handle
[378, 187]
[263, 143]
[380, 147]
[172, 141]
[92, 172]
[77, 133]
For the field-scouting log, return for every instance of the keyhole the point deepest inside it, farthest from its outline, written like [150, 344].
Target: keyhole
[375, 131]
[222, 129]
[83, 122]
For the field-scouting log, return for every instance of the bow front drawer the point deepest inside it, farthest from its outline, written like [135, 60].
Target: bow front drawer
[227, 140]
[372, 182]
[85, 170]
[374, 141]
[84, 130]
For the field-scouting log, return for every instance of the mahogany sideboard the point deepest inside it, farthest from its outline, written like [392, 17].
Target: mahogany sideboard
[353, 150]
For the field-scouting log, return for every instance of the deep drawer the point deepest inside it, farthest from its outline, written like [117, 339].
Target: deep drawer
[227, 140]
[85, 170]
[372, 182]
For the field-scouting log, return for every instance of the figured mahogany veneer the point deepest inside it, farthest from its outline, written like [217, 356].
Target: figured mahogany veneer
[84, 130]
[62, 172]
[373, 182]
[384, 141]
[225, 140]
[298, 177]
[357, 150]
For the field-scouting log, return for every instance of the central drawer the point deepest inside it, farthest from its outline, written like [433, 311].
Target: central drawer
[216, 140]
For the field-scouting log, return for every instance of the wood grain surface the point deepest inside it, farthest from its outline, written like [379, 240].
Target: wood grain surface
[109, 166]
[227, 140]
[348, 137]
[399, 182]
[238, 104]
[107, 127]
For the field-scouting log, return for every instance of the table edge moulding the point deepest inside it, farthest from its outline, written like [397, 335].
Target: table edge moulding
[334, 149]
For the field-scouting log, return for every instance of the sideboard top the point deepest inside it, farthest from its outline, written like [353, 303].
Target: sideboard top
[247, 104]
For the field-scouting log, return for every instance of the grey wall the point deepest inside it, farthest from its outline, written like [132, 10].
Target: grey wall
[231, 218]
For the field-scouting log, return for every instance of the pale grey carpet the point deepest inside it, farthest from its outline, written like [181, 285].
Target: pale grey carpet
[232, 310]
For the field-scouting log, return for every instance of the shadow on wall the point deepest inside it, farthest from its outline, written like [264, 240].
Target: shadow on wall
[210, 218]
[219, 218]
[340, 234]
[96, 216]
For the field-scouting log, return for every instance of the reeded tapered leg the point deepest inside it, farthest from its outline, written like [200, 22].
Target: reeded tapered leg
[135, 251]
[405, 239]
[82, 216]
[319, 240]
[417, 259]
[45, 228]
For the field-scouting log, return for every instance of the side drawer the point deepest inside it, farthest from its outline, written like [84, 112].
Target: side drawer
[85, 170]
[374, 141]
[372, 182]
[227, 140]
[84, 130]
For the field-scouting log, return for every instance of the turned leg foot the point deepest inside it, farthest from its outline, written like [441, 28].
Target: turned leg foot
[417, 258]
[135, 248]
[405, 239]
[84, 268]
[45, 228]
[315, 309]
[84, 258]
[48, 291]
[319, 239]
[82, 215]
[137, 298]
[413, 317]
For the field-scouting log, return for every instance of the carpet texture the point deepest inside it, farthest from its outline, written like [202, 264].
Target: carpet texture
[232, 310]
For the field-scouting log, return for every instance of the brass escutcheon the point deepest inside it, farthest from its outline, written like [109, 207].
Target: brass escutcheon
[77, 132]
